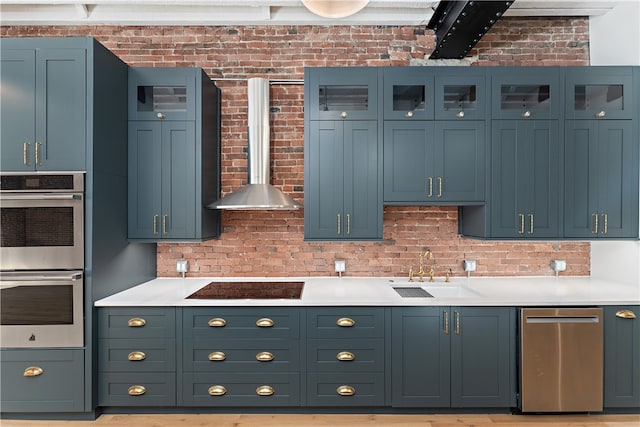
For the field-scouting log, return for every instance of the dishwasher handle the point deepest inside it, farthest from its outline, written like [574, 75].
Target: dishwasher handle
[557, 319]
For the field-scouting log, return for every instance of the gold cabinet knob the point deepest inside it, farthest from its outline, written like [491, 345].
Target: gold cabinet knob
[33, 371]
[137, 390]
[346, 390]
[265, 356]
[217, 390]
[601, 113]
[136, 356]
[345, 356]
[625, 314]
[265, 390]
[217, 356]
[343, 114]
[409, 114]
[526, 114]
[345, 322]
[217, 322]
[460, 114]
[136, 322]
[161, 116]
[265, 322]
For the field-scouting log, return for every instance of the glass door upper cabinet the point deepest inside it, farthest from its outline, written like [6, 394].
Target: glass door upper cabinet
[408, 93]
[460, 98]
[599, 93]
[161, 94]
[526, 93]
[342, 93]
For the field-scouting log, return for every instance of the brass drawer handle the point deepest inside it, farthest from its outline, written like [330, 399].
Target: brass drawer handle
[217, 390]
[595, 224]
[217, 356]
[38, 162]
[137, 390]
[136, 322]
[265, 322]
[136, 356]
[155, 224]
[345, 356]
[625, 314]
[33, 371]
[345, 322]
[430, 185]
[217, 322]
[25, 154]
[265, 356]
[346, 390]
[445, 316]
[265, 390]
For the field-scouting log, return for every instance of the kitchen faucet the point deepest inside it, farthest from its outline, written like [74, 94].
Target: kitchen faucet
[426, 254]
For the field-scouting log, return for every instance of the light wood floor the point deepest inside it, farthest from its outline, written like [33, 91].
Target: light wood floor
[319, 420]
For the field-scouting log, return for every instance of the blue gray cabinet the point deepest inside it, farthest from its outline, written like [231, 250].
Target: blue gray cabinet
[602, 93]
[43, 111]
[453, 357]
[622, 357]
[137, 356]
[174, 155]
[342, 181]
[408, 93]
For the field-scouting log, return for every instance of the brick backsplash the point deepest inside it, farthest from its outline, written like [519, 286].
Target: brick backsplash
[270, 243]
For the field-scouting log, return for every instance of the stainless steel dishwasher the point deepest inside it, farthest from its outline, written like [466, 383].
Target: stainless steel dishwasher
[561, 360]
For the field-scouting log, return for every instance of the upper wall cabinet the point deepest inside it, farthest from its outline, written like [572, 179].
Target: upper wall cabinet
[525, 93]
[599, 93]
[174, 154]
[460, 95]
[343, 93]
[408, 93]
[43, 111]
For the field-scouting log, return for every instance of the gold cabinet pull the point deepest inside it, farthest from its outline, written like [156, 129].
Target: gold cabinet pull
[409, 114]
[456, 315]
[439, 186]
[25, 153]
[345, 356]
[460, 114]
[430, 184]
[33, 371]
[345, 322]
[137, 390]
[601, 113]
[217, 322]
[338, 224]
[605, 220]
[530, 223]
[164, 225]
[595, 224]
[346, 390]
[265, 322]
[136, 356]
[526, 114]
[521, 217]
[445, 316]
[348, 224]
[625, 314]
[265, 390]
[38, 162]
[343, 114]
[264, 356]
[136, 322]
[217, 356]
[217, 390]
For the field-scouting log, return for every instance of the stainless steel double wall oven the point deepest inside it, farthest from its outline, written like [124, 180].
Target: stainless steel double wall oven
[41, 260]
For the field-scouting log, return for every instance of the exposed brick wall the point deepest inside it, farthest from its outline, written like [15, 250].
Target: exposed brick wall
[270, 243]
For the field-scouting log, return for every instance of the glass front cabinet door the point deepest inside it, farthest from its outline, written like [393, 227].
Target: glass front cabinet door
[599, 93]
[408, 93]
[526, 93]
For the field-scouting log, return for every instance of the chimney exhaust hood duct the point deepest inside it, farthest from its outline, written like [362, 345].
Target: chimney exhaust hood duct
[258, 194]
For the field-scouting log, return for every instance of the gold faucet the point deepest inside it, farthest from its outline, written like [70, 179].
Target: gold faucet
[421, 272]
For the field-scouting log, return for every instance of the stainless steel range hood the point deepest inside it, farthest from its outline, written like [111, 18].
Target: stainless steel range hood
[258, 194]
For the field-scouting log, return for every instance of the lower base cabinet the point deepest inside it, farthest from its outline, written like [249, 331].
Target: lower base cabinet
[459, 357]
[37, 380]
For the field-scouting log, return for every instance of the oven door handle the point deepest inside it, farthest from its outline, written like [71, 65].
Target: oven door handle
[41, 196]
[57, 276]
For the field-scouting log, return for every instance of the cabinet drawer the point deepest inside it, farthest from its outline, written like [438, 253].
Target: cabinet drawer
[59, 387]
[147, 354]
[324, 389]
[357, 322]
[134, 322]
[137, 389]
[241, 355]
[240, 389]
[356, 355]
[220, 323]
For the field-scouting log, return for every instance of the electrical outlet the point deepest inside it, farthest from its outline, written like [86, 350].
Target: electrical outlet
[340, 266]
[182, 266]
[469, 265]
[559, 265]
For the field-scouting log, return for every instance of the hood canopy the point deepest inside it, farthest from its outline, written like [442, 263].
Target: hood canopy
[258, 194]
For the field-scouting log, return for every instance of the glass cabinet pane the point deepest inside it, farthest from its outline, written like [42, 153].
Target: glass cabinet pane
[525, 97]
[162, 98]
[343, 98]
[599, 97]
[408, 98]
[459, 97]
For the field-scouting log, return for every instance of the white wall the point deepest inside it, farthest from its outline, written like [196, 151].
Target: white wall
[614, 39]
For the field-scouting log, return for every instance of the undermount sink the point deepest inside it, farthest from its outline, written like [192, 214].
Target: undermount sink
[431, 290]
[249, 290]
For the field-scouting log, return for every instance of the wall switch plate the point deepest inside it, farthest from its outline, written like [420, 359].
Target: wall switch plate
[340, 266]
[469, 265]
[182, 266]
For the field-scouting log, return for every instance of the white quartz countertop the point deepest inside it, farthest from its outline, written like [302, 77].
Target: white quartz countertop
[379, 291]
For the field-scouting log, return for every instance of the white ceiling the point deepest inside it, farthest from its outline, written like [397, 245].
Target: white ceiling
[255, 12]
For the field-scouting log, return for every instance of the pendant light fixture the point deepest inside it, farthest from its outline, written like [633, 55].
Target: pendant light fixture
[335, 8]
